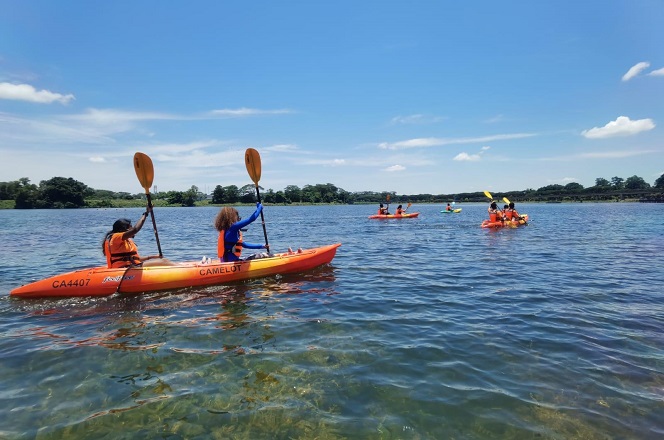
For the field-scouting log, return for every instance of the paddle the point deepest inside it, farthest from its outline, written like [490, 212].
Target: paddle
[253, 162]
[488, 194]
[388, 203]
[409, 205]
[145, 173]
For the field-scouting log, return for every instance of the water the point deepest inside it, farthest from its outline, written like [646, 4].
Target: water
[427, 328]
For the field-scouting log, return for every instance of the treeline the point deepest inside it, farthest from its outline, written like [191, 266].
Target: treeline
[61, 192]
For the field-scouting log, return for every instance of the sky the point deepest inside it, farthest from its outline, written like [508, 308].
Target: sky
[409, 96]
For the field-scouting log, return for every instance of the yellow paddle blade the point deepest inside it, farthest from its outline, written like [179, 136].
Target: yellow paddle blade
[488, 194]
[144, 170]
[253, 162]
[506, 200]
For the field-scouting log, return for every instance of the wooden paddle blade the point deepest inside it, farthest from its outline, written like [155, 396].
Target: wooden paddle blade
[144, 170]
[388, 198]
[253, 162]
[488, 194]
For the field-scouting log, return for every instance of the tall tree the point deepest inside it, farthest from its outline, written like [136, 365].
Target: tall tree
[636, 182]
[659, 183]
[617, 182]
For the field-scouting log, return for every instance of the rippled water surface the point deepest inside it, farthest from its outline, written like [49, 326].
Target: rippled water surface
[426, 328]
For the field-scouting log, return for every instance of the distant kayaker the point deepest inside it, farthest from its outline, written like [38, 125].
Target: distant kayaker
[448, 208]
[121, 251]
[382, 210]
[495, 214]
[400, 210]
[229, 224]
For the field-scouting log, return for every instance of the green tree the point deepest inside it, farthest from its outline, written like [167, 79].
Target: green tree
[60, 192]
[574, 187]
[636, 182]
[659, 183]
[232, 194]
[617, 182]
[602, 182]
[293, 193]
[218, 195]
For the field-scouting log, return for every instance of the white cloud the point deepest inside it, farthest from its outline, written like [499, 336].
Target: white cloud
[437, 142]
[97, 159]
[658, 72]
[395, 168]
[602, 155]
[467, 157]
[622, 126]
[26, 92]
[486, 147]
[635, 70]
[569, 179]
[415, 119]
[242, 112]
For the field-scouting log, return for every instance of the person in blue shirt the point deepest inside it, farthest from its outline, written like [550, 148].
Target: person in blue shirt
[229, 224]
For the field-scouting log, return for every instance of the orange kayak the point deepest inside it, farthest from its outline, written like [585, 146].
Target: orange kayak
[507, 223]
[102, 281]
[408, 215]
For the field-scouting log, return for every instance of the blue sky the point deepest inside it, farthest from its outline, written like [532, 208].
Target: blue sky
[407, 96]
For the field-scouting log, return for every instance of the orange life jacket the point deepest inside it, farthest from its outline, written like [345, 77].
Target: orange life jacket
[223, 247]
[509, 214]
[121, 253]
[495, 216]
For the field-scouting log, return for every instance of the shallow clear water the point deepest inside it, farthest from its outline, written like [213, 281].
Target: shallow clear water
[423, 328]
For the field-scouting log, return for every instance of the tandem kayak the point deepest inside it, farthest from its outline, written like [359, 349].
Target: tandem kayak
[453, 211]
[407, 215]
[102, 281]
[507, 223]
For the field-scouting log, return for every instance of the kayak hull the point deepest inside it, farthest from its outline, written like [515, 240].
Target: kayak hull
[454, 211]
[102, 281]
[382, 216]
[508, 224]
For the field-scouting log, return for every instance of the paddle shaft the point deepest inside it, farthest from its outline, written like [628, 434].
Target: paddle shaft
[267, 245]
[154, 224]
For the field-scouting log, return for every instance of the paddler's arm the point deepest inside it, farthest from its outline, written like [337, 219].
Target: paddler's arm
[137, 227]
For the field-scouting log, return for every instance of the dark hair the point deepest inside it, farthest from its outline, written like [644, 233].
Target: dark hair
[398, 207]
[494, 205]
[120, 225]
[512, 205]
[381, 205]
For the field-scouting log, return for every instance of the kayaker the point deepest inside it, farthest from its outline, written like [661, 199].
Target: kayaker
[229, 224]
[382, 210]
[400, 210]
[512, 213]
[121, 251]
[495, 215]
[448, 208]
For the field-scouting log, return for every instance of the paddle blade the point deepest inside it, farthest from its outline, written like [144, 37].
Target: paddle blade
[488, 194]
[144, 170]
[388, 198]
[253, 162]
[409, 205]
[506, 200]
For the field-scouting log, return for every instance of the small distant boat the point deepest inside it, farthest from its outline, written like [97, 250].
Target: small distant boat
[383, 216]
[452, 211]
